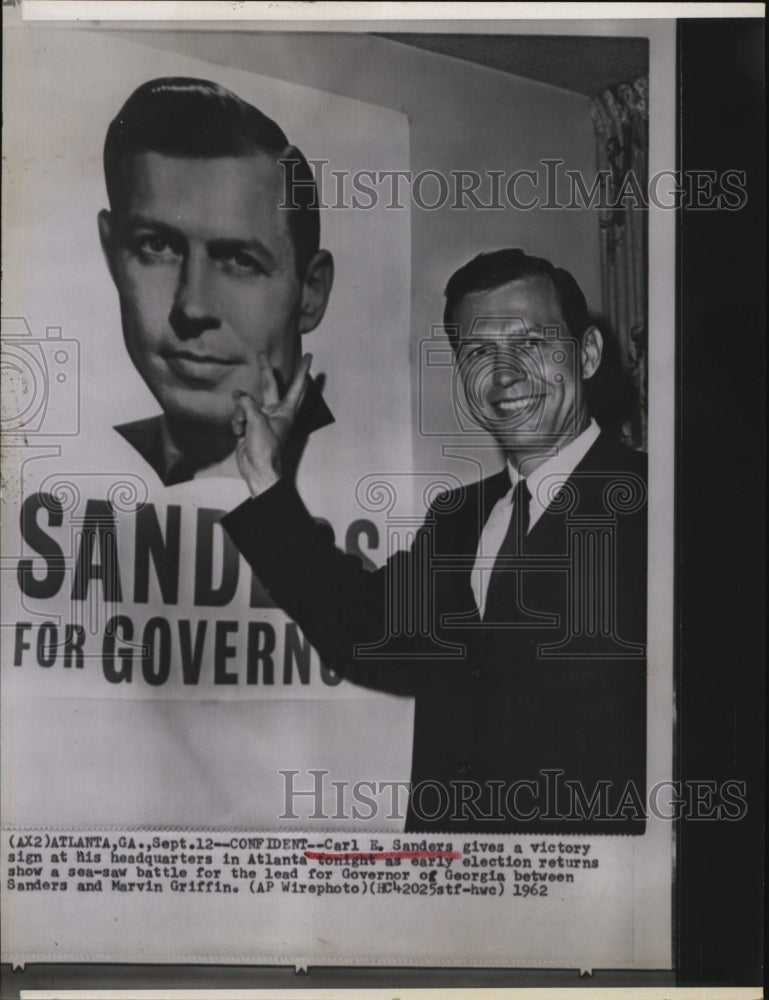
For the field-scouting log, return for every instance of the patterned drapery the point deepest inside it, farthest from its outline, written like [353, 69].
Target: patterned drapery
[621, 122]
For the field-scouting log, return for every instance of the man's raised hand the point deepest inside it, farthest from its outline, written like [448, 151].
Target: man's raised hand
[262, 430]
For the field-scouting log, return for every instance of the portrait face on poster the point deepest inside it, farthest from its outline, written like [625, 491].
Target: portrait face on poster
[152, 682]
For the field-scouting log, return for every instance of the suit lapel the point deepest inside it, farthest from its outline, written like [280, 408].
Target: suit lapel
[462, 545]
[548, 536]
[145, 436]
[474, 513]
[588, 480]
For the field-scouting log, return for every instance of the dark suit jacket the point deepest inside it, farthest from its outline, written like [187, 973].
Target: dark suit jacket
[545, 712]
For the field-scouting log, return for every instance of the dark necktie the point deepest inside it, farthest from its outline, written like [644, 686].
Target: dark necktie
[181, 471]
[502, 595]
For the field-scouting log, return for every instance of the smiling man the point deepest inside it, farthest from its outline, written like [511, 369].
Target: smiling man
[518, 618]
[522, 369]
[212, 240]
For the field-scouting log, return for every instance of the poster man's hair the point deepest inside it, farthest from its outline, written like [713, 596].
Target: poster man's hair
[182, 116]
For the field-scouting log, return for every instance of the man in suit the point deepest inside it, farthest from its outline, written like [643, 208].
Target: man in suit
[213, 243]
[517, 619]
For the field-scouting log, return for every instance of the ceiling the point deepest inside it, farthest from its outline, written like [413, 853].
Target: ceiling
[584, 65]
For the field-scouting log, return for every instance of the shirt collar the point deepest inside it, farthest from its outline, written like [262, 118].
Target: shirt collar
[313, 414]
[557, 469]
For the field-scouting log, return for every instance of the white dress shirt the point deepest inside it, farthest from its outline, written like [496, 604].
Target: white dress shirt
[543, 483]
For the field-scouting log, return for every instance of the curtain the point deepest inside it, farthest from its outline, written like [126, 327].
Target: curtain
[621, 122]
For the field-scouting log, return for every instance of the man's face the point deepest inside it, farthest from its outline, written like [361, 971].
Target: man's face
[204, 266]
[521, 370]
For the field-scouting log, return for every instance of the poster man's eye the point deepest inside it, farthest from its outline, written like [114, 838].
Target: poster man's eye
[154, 246]
[242, 262]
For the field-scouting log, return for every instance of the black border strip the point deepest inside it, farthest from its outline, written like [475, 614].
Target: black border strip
[720, 502]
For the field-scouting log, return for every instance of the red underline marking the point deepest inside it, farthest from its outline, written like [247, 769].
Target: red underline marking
[380, 855]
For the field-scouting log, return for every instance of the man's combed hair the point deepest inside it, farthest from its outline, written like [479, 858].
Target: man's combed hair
[492, 270]
[186, 117]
